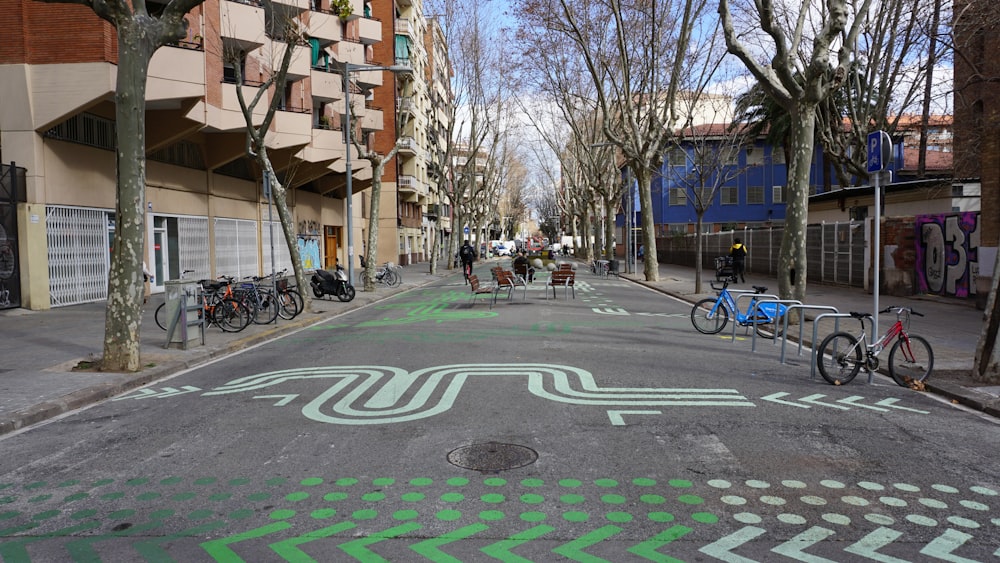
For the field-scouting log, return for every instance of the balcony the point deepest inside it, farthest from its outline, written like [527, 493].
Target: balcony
[326, 86]
[369, 31]
[327, 146]
[325, 27]
[350, 51]
[405, 106]
[299, 67]
[410, 186]
[405, 27]
[292, 7]
[408, 146]
[176, 73]
[291, 127]
[228, 117]
[367, 79]
[373, 119]
[242, 22]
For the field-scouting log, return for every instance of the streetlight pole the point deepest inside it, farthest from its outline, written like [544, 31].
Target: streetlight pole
[348, 68]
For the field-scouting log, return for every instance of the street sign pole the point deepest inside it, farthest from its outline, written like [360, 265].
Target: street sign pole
[879, 145]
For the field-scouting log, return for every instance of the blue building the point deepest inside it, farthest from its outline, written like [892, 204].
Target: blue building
[747, 184]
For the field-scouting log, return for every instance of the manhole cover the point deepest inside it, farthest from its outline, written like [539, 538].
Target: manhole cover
[492, 456]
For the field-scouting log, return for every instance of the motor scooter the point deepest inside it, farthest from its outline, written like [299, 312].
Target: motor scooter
[336, 283]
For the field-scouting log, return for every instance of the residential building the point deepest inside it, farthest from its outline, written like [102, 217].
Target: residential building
[207, 209]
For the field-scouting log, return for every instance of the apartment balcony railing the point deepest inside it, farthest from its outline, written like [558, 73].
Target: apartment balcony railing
[408, 145]
[404, 27]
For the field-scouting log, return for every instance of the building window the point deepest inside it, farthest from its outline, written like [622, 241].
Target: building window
[755, 195]
[678, 196]
[86, 129]
[778, 194]
[730, 195]
[677, 157]
[755, 156]
[777, 155]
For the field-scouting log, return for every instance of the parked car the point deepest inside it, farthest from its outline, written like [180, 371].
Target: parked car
[502, 250]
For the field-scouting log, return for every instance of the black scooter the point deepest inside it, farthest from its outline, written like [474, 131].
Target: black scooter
[325, 283]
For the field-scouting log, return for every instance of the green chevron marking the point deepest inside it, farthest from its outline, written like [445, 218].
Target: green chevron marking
[943, 546]
[501, 549]
[647, 549]
[83, 550]
[429, 548]
[288, 549]
[15, 550]
[869, 545]
[574, 549]
[219, 549]
[358, 548]
[151, 550]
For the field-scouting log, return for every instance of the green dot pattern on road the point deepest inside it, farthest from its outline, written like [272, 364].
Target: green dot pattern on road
[579, 512]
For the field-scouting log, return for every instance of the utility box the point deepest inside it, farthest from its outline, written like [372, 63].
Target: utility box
[184, 319]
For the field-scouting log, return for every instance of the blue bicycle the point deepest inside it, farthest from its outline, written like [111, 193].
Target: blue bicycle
[711, 315]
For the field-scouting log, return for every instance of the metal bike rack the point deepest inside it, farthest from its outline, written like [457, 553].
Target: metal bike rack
[802, 325]
[753, 311]
[745, 293]
[836, 328]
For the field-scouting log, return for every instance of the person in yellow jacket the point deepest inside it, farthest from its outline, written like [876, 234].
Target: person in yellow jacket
[739, 253]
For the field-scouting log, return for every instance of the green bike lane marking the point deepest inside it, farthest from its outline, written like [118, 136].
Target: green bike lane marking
[496, 504]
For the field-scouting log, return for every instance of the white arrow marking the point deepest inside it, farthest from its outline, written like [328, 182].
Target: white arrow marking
[139, 394]
[670, 315]
[891, 403]
[775, 399]
[618, 420]
[815, 400]
[869, 545]
[944, 544]
[793, 547]
[609, 311]
[285, 399]
[171, 392]
[721, 549]
[853, 401]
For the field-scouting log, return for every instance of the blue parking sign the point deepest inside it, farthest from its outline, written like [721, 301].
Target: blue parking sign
[879, 155]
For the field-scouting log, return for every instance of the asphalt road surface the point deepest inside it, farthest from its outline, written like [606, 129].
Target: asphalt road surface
[596, 428]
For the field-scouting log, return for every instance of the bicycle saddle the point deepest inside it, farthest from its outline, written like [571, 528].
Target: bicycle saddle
[759, 288]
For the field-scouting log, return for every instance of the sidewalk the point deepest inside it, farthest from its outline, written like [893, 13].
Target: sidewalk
[40, 349]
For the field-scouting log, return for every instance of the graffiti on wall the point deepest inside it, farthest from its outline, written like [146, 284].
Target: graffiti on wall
[948, 253]
[309, 253]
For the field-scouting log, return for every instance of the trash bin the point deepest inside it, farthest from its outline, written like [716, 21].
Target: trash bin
[183, 322]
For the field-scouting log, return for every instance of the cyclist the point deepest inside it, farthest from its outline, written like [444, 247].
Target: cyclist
[739, 253]
[467, 254]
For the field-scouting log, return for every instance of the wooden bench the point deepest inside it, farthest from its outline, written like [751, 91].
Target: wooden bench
[561, 278]
[507, 280]
[478, 289]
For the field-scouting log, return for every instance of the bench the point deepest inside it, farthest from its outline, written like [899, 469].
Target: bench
[507, 280]
[561, 278]
[478, 289]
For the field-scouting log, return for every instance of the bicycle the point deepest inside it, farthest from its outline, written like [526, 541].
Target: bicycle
[388, 275]
[227, 313]
[467, 270]
[711, 315]
[839, 357]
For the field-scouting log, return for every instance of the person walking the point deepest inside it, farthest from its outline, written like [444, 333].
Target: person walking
[467, 254]
[739, 254]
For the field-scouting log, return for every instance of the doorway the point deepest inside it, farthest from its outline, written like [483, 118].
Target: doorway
[331, 246]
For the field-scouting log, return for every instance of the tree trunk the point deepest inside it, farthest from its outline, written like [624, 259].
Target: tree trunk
[609, 230]
[371, 250]
[699, 241]
[792, 256]
[651, 266]
[280, 198]
[123, 315]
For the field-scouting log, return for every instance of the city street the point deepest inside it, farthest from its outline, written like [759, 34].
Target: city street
[596, 428]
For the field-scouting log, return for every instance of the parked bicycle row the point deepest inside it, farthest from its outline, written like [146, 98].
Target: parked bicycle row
[840, 355]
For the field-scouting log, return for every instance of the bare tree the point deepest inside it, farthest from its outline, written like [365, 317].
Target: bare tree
[288, 31]
[798, 77]
[139, 36]
[640, 56]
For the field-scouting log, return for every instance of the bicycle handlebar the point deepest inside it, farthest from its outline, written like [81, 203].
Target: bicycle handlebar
[899, 308]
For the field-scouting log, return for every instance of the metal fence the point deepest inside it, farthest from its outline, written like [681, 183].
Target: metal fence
[835, 251]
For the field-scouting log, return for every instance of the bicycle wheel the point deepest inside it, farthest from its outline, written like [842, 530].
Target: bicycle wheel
[839, 358]
[161, 316]
[396, 279]
[231, 315]
[289, 304]
[267, 308]
[909, 363]
[707, 318]
[346, 293]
